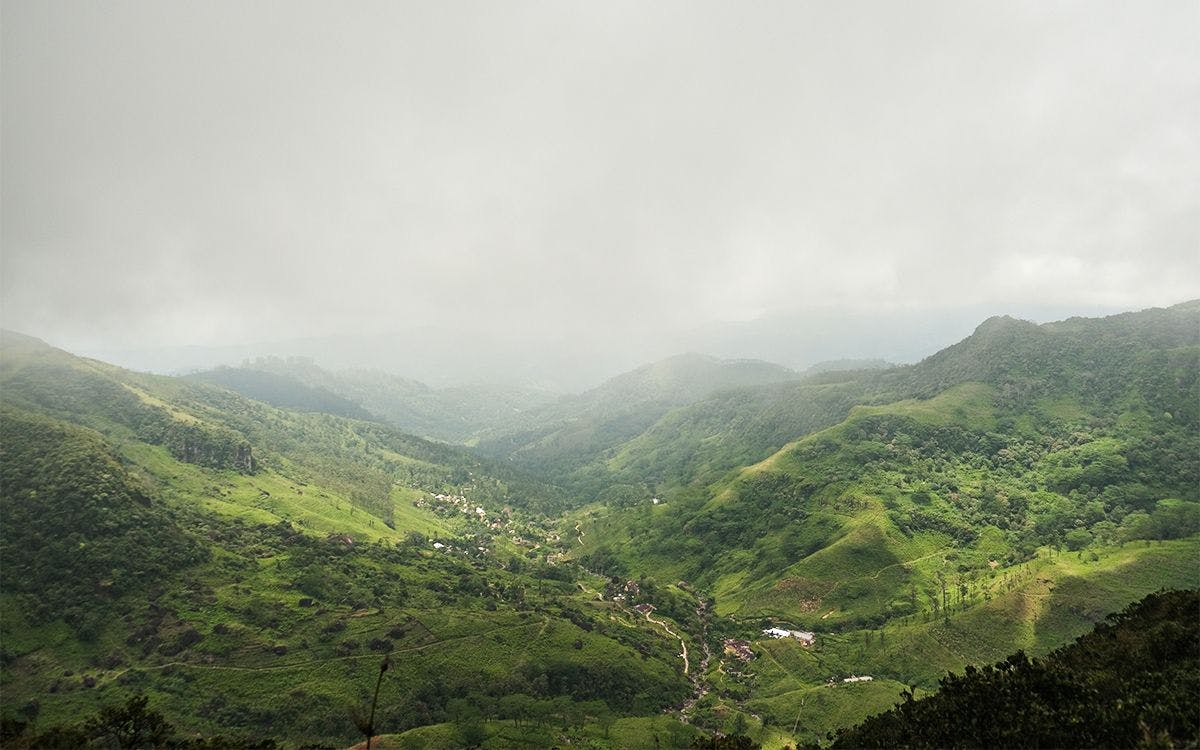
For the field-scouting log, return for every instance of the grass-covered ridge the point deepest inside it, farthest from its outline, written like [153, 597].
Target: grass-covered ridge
[1078, 370]
[565, 438]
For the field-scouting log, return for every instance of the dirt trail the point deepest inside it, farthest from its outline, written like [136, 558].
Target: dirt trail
[696, 677]
[673, 634]
[909, 562]
[699, 689]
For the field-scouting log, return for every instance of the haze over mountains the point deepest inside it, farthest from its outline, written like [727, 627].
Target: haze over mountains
[442, 356]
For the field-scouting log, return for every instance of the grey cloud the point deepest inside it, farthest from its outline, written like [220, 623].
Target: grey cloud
[624, 173]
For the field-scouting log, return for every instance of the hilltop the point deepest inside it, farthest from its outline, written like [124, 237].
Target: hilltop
[561, 438]
[453, 414]
[1091, 359]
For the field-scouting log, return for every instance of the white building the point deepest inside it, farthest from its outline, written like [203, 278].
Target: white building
[805, 637]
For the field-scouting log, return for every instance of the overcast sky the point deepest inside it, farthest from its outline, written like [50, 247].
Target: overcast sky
[226, 172]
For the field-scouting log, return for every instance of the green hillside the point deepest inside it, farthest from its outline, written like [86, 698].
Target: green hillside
[454, 414]
[560, 439]
[698, 443]
[605, 559]
[1081, 367]
[248, 567]
[1058, 482]
[283, 391]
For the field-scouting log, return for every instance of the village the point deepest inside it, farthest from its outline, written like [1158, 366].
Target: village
[528, 535]
[533, 537]
[743, 650]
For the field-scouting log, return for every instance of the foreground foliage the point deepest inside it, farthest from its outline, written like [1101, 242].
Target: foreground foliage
[131, 726]
[1132, 682]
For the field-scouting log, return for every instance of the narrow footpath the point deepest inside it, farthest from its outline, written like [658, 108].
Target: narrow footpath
[682, 645]
[699, 688]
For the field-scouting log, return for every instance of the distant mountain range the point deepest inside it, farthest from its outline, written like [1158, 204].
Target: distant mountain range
[617, 409]
[444, 357]
[453, 414]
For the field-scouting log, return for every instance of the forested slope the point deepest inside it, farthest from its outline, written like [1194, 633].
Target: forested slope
[559, 439]
[1101, 368]
[454, 414]
[1004, 494]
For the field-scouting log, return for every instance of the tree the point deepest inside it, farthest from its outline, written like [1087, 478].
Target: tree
[739, 724]
[516, 706]
[731, 742]
[1077, 539]
[470, 731]
[1128, 683]
[606, 719]
[131, 725]
[941, 577]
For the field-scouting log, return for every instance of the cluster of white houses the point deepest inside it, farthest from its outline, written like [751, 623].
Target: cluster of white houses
[806, 638]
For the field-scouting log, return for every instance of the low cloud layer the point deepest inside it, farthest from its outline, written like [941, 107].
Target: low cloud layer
[213, 173]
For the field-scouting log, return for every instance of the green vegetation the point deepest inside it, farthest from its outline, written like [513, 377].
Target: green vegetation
[247, 567]
[453, 414]
[70, 504]
[941, 523]
[852, 525]
[132, 725]
[545, 725]
[1131, 682]
[563, 439]
[282, 391]
[259, 599]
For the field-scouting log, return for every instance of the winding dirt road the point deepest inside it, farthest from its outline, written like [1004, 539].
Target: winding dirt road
[673, 634]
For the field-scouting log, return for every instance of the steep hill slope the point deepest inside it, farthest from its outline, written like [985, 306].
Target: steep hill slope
[1090, 361]
[453, 414]
[559, 439]
[281, 390]
[1006, 493]
[71, 503]
[1060, 433]
[698, 443]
